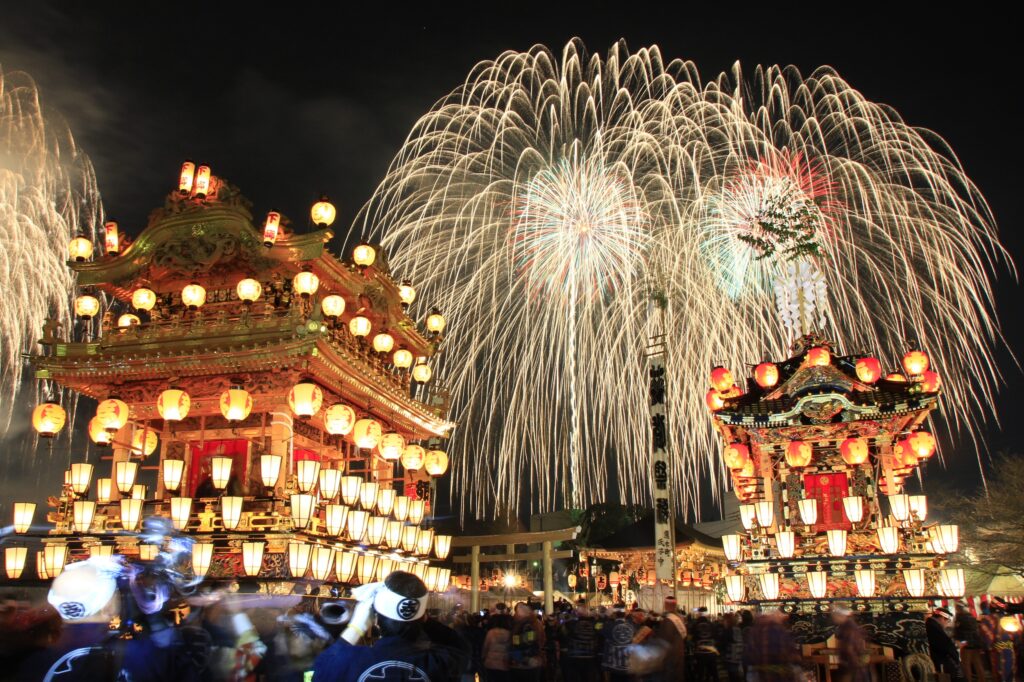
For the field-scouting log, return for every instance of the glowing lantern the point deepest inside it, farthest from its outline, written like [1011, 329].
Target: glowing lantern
[375, 530]
[112, 414]
[305, 399]
[48, 419]
[173, 404]
[350, 489]
[406, 293]
[230, 511]
[188, 174]
[330, 483]
[391, 445]
[922, 444]
[202, 553]
[817, 583]
[339, 419]
[301, 509]
[721, 379]
[766, 374]
[14, 561]
[124, 476]
[80, 249]
[332, 305]
[81, 477]
[335, 516]
[808, 511]
[765, 511]
[945, 538]
[735, 587]
[23, 513]
[364, 255]
[869, 370]
[952, 582]
[930, 382]
[220, 472]
[383, 342]
[235, 404]
[915, 363]
[143, 299]
[818, 357]
[424, 541]
[416, 510]
[131, 513]
[139, 491]
[785, 541]
[368, 494]
[393, 534]
[889, 539]
[87, 306]
[144, 442]
[305, 283]
[798, 453]
[836, 542]
[366, 433]
[854, 451]
[359, 326]
[714, 400]
[731, 545]
[306, 473]
[436, 322]
[853, 506]
[103, 486]
[202, 184]
[748, 514]
[55, 554]
[98, 434]
[402, 507]
[386, 500]
[181, 510]
[270, 469]
[323, 212]
[769, 585]
[1009, 624]
[736, 456]
[346, 566]
[193, 296]
[271, 227]
[128, 320]
[402, 359]
[366, 567]
[410, 534]
[899, 506]
[422, 372]
[436, 463]
[443, 545]
[252, 557]
[248, 290]
[896, 378]
[904, 454]
[111, 238]
[413, 457]
[298, 558]
[82, 515]
[357, 520]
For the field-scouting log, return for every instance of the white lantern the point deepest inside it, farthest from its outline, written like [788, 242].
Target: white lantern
[173, 404]
[402, 359]
[350, 489]
[301, 509]
[306, 473]
[55, 554]
[193, 296]
[765, 510]
[322, 561]
[235, 404]
[366, 567]
[345, 566]
[436, 463]
[422, 372]
[368, 494]
[298, 558]
[386, 501]
[918, 506]
[359, 326]
[270, 469]
[945, 538]
[14, 561]
[442, 546]
[339, 419]
[332, 306]
[889, 539]
[952, 582]
[330, 483]
[865, 582]
[171, 471]
[914, 579]
[731, 545]
[252, 557]
[416, 510]
[785, 541]
[124, 476]
[220, 471]
[143, 299]
[748, 514]
[335, 516]
[202, 553]
[305, 283]
[817, 583]
[83, 513]
[769, 585]
[393, 534]
[249, 290]
[853, 505]
[131, 513]
[837, 542]
[383, 342]
[357, 522]
[391, 446]
[81, 477]
[413, 457]
[144, 442]
[103, 486]
[305, 399]
[808, 511]
[899, 505]
[367, 433]
[402, 507]
[181, 510]
[375, 528]
[230, 511]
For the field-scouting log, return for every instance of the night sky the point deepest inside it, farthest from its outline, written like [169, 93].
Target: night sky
[287, 106]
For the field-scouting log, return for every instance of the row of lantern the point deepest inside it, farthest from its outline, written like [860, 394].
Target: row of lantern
[917, 446]
[903, 507]
[868, 370]
[80, 249]
[949, 582]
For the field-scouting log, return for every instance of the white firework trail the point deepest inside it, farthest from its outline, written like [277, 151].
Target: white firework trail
[547, 200]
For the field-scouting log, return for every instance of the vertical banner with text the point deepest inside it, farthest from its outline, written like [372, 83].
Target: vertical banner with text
[664, 536]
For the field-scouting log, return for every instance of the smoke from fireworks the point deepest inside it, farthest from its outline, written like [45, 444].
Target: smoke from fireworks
[550, 200]
[48, 194]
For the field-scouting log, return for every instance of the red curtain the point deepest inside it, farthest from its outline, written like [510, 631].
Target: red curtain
[237, 449]
[829, 490]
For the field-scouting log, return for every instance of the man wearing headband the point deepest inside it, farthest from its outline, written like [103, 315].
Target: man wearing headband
[943, 650]
[411, 648]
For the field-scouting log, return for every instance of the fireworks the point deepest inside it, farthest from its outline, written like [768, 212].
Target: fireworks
[47, 195]
[549, 201]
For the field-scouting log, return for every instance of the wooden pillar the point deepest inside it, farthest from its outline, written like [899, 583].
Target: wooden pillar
[281, 443]
[474, 576]
[549, 579]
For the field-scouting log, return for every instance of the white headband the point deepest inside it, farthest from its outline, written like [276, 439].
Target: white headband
[391, 604]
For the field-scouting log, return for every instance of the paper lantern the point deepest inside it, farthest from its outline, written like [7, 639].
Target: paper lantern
[930, 382]
[139, 491]
[714, 400]
[808, 509]
[230, 511]
[148, 552]
[918, 506]
[330, 483]
[202, 184]
[765, 511]
[393, 534]
[271, 228]
[298, 558]
[235, 404]
[952, 582]
[335, 516]
[769, 585]
[383, 342]
[357, 522]
[131, 513]
[87, 306]
[736, 456]
[402, 507]
[128, 320]
[413, 457]
[252, 557]
[144, 442]
[899, 506]
[248, 290]
[865, 578]
[368, 494]
[55, 554]
[785, 542]
[339, 419]
[82, 515]
[386, 501]
[375, 529]
[98, 434]
[173, 404]
[406, 293]
[436, 322]
[422, 372]
[181, 511]
[945, 538]
[424, 541]
[305, 283]
[124, 475]
[410, 534]
[301, 506]
[914, 580]
[798, 453]
[442, 546]
[915, 363]
[103, 486]
[436, 463]
[390, 446]
[111, 238]
[188, 172]
[143, 299]
[854, 451]
[112, 414]
[922, 443]
[193, 296]
[270, 469]
[345, 566]
[817, 583]
[80, 249]
[766, 374]
[853, 507]
[305, 399]
[818, 356]
[748, 514]
[41, 566]
[220, 471]
[323, 212]
[367, 433]
[836, 542]
[359, 326]
[402, 359]
[14, 561]
[366, 567]
[306, 473]
[332, 306]
[869, 370]
[202, 553]
[350, 489]
[81, 477]
[731, 545]
[889, 539]
[416, 510]
[735, 588]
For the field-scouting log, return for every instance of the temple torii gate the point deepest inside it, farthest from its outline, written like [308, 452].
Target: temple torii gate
[547, 555]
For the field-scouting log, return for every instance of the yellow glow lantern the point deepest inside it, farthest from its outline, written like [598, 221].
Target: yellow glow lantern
[391, 446]
[383, 342]
[298, 558]
[235, 404]
[112, 414]
[915, 363]
[402, 359]
[402, 507]
[888, 539]
[248, 290]
[98, 434]
[416, 510]
[785, 541]
[173, 404]
[436, 463]
[808, 511]
[128, 320]
[766, 375]
[384, 567]
[731, 544]
[335, 516]
[321, 561]
[918, 506]
[424, 541]
[305, 399]
[368, 494]
[818, 356]
[202, 554]
[798, 453]
[86, 306]
[270, 469]
[1009, 624]
[23, 513]
[350, 489]
[345, 566]
[271, 228]
[330, 483]
[143, 299]
[930, 382]
[410, 534]
[721, 379]
[139, 491]
[714, 400]
[359, 326]
[366, 567]
[80, 249]
[748, 516]
[230, 511]
[869, 370]
[364, 255]
[922, 443]
[367, 433]
[252, 557]
[181, 510]
[952, 582]
[736, 456]
[81, 477]
[124, 476]
[896, 377]
[836, 542]
[193, 296]
[220, 471]
[817, 583]
[301, 509]
[853, 506]
[48, 419]
[306, 473]
[202, 183]
[765, 511]
[769, 585]
[305, 283]
[406, 293]
[735, 588]
[111, 238]
[393, 534]
[187, 176]
[899, 506]
[413, 457]
[375, 530]
[422, 372]
[103, 488]
[14, 561]
[386, 500]
[148, 552]
[339, 419]
[357, 522]
[323, 212]
[436, 322]
[144, 442]
[131, 513]
[55, 554]
[945, 538]
[332, 305]
[854, 451]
